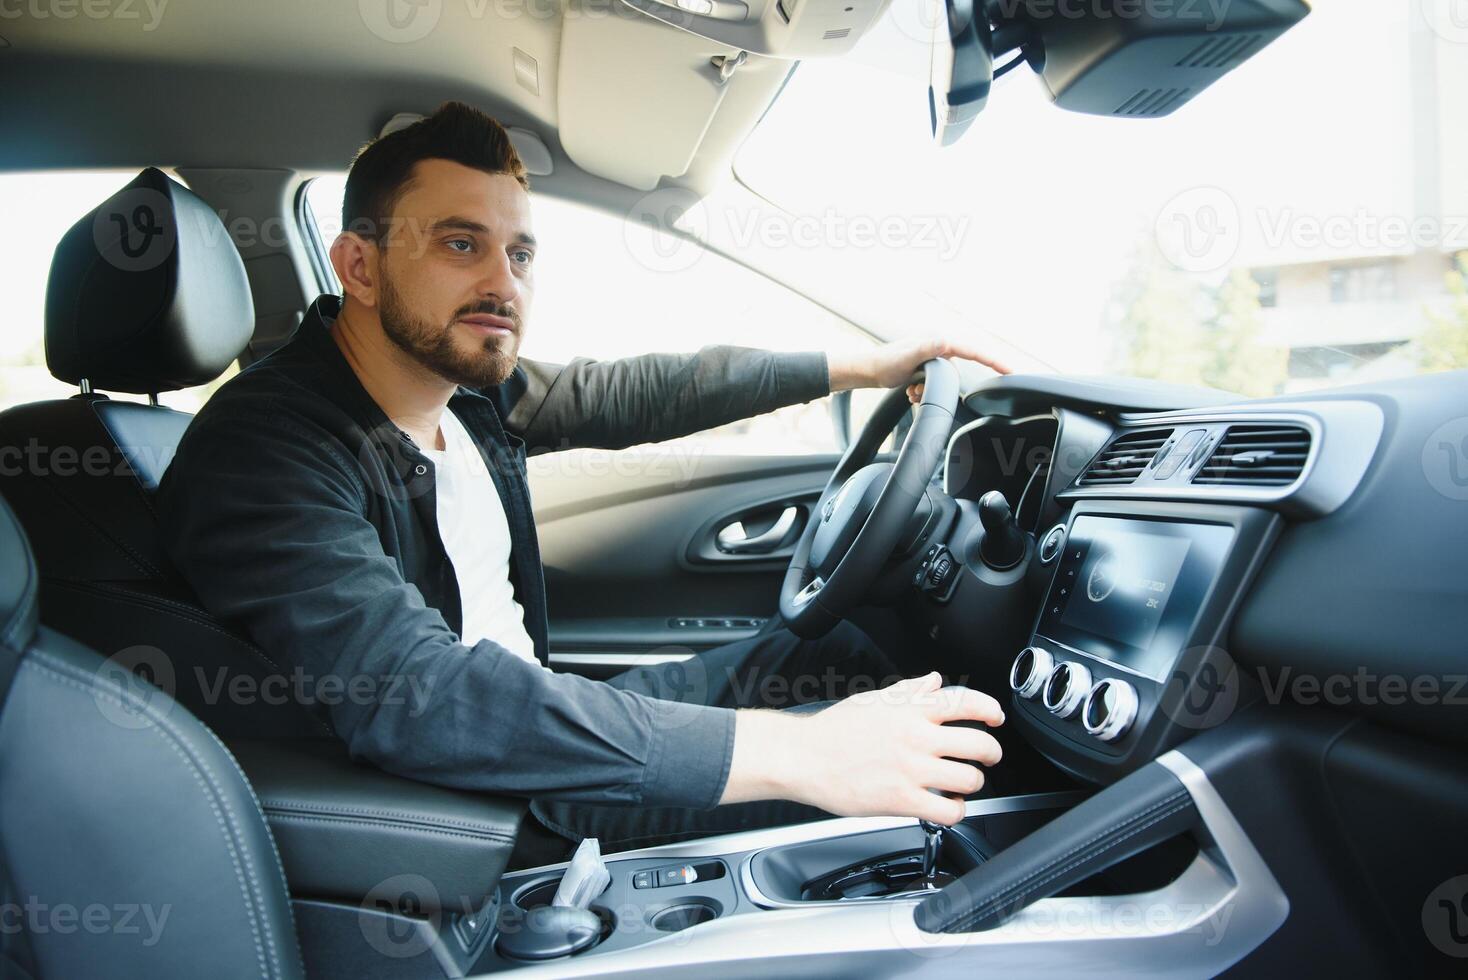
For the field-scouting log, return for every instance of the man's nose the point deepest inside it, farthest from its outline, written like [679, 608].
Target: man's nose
[498, 280]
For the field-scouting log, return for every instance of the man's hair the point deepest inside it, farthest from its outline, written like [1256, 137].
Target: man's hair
[383, 168]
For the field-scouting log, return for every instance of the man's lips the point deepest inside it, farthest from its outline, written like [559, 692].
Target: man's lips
[489, 323]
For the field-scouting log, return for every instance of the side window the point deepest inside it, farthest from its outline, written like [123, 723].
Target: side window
[602, 291]
[40, 208]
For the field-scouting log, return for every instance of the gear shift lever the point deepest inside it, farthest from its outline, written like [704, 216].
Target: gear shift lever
[932, 844]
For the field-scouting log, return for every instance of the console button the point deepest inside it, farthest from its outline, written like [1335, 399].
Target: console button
[1051, 544]
[1110, 709]
[1029, 671]
[643, 879]
[1066, 688]
[683, 874]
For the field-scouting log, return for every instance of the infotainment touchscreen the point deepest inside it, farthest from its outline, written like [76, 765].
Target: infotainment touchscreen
[1128, 591]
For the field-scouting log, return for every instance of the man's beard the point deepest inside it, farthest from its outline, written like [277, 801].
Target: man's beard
[434, 347]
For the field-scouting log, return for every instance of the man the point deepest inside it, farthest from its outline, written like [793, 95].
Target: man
[357, 502]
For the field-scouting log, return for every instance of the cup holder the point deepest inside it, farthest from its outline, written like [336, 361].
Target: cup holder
[686, 915]
[540, 894]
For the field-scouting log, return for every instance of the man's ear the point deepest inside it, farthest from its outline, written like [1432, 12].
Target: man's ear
[355, 260]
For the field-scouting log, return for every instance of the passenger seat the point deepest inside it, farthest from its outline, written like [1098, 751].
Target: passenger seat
[147, 293]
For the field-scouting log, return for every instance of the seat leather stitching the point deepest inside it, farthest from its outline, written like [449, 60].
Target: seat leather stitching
[224, 818]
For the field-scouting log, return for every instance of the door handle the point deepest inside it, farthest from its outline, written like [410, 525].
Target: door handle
[734, 540]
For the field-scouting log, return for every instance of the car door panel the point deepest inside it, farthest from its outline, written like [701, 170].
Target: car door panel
[629, 543]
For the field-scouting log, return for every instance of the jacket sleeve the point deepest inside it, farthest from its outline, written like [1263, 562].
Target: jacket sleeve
[265, 518]
[652, 397]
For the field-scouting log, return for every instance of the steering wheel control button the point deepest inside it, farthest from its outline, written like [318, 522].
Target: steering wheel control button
[1066, 688]
[1110, 709]
[937, 576]
[1030, 670]
[1051, 544]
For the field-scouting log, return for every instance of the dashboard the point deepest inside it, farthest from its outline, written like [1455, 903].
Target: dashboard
[1188, 559]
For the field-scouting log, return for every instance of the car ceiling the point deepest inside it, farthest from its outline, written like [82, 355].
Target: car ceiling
[280, 84]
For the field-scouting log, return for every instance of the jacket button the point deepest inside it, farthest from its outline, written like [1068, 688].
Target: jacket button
[420, 469]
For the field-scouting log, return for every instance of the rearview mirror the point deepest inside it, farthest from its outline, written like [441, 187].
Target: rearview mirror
[1127, 58]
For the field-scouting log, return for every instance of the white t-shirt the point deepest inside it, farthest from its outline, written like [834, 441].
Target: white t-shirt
[471, 522]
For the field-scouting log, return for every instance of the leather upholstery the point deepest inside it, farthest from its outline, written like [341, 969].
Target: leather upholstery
[147, 293]
[86, 502]
[80, 472]
[345, 829]
[129, 838]
[17, 588]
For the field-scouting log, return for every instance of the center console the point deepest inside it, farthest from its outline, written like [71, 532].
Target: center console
[1127, 656]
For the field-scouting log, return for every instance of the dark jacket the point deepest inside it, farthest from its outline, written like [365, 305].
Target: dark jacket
[298, 511]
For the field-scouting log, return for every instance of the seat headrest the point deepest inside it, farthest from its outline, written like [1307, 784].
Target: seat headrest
[147, 293]
[17, 587]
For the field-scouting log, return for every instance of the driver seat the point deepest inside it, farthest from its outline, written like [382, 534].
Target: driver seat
[147, 293]
[130, 844]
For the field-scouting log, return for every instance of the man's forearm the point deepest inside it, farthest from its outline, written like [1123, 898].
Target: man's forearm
[652, 397]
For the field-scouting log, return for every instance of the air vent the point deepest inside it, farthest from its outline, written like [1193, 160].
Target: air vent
[1221, 52]
[1257, 456]
[1152, 102]
[835, 35]
[1124, 459]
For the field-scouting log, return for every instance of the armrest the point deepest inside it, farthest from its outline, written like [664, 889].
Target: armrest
[344, 829]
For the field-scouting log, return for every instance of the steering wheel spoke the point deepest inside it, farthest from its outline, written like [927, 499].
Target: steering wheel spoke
[866, 506]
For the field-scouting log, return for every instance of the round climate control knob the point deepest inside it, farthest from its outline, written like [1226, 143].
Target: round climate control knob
[1110, 709]
[1030, 670]
[1066, 688]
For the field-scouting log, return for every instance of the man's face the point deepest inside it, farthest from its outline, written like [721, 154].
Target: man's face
[456, 272]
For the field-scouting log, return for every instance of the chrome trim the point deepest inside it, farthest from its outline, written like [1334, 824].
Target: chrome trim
[733, 539]
[1344, 435]
[725, 845]
[1119, 718]
[611, 659]
[811, 590]
[1039, 674]
[1076, 688]
[1219, 910]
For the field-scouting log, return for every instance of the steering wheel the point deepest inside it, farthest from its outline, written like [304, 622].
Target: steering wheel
[866, 507]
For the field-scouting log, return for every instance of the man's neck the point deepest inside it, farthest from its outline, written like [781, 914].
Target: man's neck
[409, 394]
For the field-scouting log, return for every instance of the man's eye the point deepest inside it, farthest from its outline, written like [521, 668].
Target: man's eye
[522, 255]
[456, 243]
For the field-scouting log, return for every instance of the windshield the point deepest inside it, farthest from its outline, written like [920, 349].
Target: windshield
[1299, 224]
